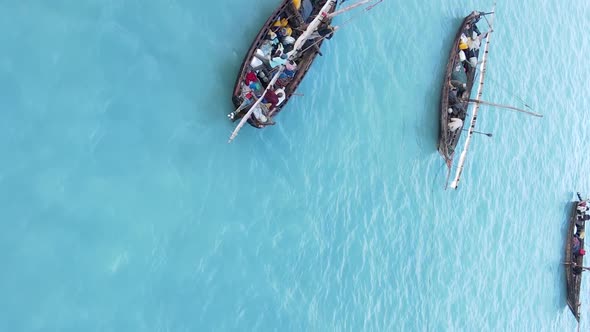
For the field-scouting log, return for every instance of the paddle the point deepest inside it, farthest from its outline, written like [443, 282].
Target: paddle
[479, 132]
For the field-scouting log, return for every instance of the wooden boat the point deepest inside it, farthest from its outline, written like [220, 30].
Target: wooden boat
[258, 67]
[574, 280]
[457, 85]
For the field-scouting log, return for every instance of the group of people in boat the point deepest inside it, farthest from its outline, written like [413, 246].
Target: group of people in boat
[582, 215]
[463, 71]
[276, 53]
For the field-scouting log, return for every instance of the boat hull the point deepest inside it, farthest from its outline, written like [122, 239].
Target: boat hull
[448, 139]
[573, 282]
[304, 60]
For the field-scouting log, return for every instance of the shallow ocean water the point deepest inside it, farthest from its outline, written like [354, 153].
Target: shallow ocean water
[126, 210]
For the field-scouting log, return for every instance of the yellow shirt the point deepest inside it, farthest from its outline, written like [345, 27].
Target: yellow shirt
[281, 23]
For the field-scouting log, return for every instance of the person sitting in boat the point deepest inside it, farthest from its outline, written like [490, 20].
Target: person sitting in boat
[324, 31]
[580, 225]
[279, 60]
[471, 55]
[273, 38]
[284, 32]
[458, 86]
[582, 218]
[455, 124]
[453, 98]
[288, 40]
[582, 207]
[261, 117]
[472, 26]
[457, 111]
[576, 244]
[282, 23]
[577, 269]
[266, 48]
[287, 48]
[310, 43]
[287, 74]
[580, 252]
[251, 78]
[290, 68]
[261, 112]
[270, 99]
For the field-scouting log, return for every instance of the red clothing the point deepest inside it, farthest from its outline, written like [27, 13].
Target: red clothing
[272, 98]
[251, 77]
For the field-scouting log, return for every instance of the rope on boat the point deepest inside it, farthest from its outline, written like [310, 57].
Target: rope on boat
[503, 88]
[344, 10]
[524, 103]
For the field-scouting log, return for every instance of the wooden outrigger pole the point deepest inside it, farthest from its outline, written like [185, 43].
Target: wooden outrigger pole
[455, 181]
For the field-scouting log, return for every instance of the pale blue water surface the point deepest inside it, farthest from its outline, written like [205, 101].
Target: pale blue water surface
[124, 209]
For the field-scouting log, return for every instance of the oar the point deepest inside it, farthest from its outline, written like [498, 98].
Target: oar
[479, 132]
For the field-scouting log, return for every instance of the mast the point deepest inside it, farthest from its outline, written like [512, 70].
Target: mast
[455, 182]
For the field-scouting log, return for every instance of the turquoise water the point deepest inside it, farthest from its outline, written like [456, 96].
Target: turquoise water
[124, 209]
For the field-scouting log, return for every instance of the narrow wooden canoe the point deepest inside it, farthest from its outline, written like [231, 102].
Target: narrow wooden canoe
[455, 95]
[257, 68]
[573, 281]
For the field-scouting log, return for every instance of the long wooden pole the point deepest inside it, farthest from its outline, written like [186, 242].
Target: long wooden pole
[505, 106]
[455, 182]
